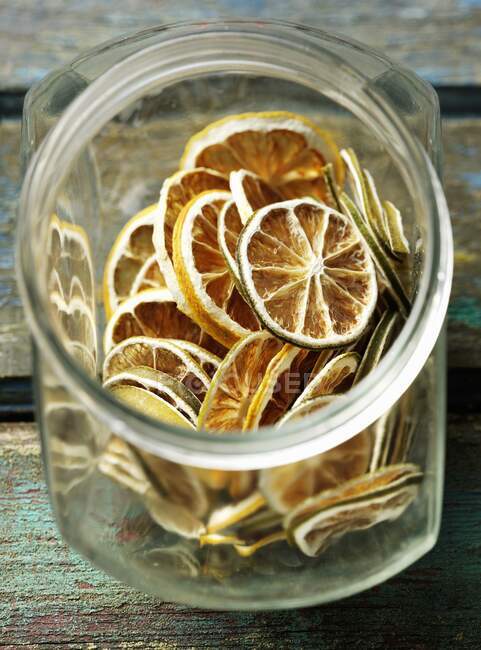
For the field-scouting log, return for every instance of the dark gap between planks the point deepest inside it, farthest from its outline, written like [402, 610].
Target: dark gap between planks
[464, 397]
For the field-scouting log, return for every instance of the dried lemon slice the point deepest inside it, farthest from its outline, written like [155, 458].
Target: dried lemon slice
[176, 192]
[235, 382]
[160, 354]
[251, 193]
[287, 486]
[131, 249]
[286, 150]
[331, 378]
[162, 385]
[148, 277]
[204, 278]
[308, 274]
[356, 505]
[152, 312]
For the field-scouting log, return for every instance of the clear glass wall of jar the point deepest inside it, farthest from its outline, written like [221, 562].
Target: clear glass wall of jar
[117, 119]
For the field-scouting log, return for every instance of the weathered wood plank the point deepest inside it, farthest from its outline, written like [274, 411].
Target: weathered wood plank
[50, 595]
[462, 144]
[37, 36]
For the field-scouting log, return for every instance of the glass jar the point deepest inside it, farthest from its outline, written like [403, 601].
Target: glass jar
[117, 119]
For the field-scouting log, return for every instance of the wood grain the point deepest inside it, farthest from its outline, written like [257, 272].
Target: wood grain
[49, 595]
[437, 38]
[462, 145]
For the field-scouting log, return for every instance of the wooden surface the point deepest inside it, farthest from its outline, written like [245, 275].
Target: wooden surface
[438, 38]
[49, 595]
[462, 145]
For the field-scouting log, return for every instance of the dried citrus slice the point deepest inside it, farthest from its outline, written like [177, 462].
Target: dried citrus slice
[152, 312]
[287, 486]
[148, 277]
[235, 382]
[127, 256]
[286, 150]
[251, 193]
[270, 400]
[204, 278]
[308, 274]
[332, 378]
[176, 192]
[162, 385]
[359, 504]
[229, 226]
[175, 505]
[150, 404]
[231, 514]
[246, 550]
[160, 354]
[306, 408]
[397, 239]
[378, 344]
[238, 484]
[208, 361]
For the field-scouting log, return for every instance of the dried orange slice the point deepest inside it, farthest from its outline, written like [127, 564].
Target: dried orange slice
[162, 385]
[235, 382]
[251, 193]
[307, 273]
[152, 312]
[208, 361]
[204, 278]
[132, 248]
[286, 150]
[176, 192]
[287, 486]
[160, 354]
[359, 504]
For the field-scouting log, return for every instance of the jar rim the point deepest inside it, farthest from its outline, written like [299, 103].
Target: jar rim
[363, 404]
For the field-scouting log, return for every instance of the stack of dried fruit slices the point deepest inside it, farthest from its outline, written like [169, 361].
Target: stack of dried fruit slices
[256, 292]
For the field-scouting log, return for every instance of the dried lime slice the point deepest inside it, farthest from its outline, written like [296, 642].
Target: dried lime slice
[397, 239]
[356, 505]
[162, 385]
[377, 345]
[306, 408]
[251, 193]
[391, 277]
[308, 274]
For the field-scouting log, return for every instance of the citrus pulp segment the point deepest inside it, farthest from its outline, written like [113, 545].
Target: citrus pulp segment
[206, 283]
[308, 274]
